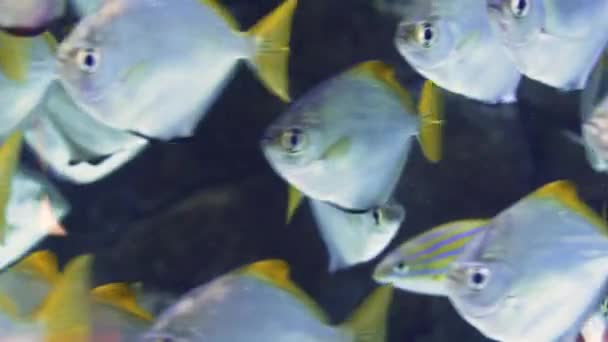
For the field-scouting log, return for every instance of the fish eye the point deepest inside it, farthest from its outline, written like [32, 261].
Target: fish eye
[477, 278]
[426, 34]
[520, 8]
[377, 215]
[401, 267]
[293, 140]
[88, 59]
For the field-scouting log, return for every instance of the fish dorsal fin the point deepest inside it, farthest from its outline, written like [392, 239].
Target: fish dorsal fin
[385, 73]
[10, 151]
[431, 109]
[368, 321]
[121, 296]
[65, 312]
[50, 40]
[294, 200]
[40, 264]
[15, 56]
[564, 191]
[218, 8]
[276, 273]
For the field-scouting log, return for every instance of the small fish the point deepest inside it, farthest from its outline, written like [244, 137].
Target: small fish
[454, 47]
[357, 124]
[27, 68]
[555, 42]
[29, 17]
[268, 306]
[594, 121]
[115, 69]
[421, 263]
[548, 248]
[66, 139]
[34, 210]
[353, 238]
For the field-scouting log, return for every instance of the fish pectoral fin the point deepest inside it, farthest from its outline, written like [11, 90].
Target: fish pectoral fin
[431, 111]
[42, 264]
[121, 296]
[294, 200]
[368, 322]
[15, 56]
[338, 149]
[271, 36]
[65, 312]
[10, 151]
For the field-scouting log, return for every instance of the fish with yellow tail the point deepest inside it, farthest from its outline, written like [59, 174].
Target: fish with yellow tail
[547, 248]
[160, 84]
[347, 140]
[269, 307]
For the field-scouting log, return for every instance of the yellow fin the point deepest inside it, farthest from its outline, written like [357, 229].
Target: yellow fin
[15, 56]
[368, 322]
[431, 121]
[9, 307]
[10, 152]
[51, 41]
[271, 36]
[565, 192]
[294, 199]
[41, 264]
[338, 149]
[276, 273]
[385, 73]
[121, 296]
[65, 312]
[216, 6]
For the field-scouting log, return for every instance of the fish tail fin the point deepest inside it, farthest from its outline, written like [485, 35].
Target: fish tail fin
[65, 312]
[123, 297]
[271, 36]
[42, 264]
[14, 56]
[294, 200]
[431, 109]
[368, 322]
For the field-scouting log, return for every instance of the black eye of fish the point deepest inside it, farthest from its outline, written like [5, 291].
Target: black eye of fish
[519, 8]
[426, 34]
[293, 140]
[88, 59]
[478, 278]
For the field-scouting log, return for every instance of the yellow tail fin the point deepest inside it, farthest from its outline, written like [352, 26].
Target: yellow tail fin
[122, 297]
[40, 264]
[10, 150]
[271, 35]
[294, 199]
[65, 312]
[368, 322]
[430, 108]
[14, 56]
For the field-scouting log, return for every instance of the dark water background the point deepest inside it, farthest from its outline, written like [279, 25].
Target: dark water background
[181, 214]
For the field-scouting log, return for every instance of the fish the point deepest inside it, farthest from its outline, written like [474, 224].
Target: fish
[67, 140]
[113, 308]
[358, 123]
[353, 238]
[549, 247]
[594, 118]
[113, 69]
[554, 42]
[268, 306]
[421, 263]
[27, 69]
[455, 47]
[34, 211]
[29, 17]
[62, 310]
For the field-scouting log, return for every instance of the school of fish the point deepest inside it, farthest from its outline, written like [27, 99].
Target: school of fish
[87, 104]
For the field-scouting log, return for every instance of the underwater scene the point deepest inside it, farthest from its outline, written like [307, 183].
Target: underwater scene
[304, 170]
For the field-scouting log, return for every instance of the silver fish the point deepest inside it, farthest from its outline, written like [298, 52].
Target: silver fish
[536, 272]
[353, 238]
[268, 307]
[556, 42]
[347, 141]
[454, 46]
[30, 15]
[160, 84]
